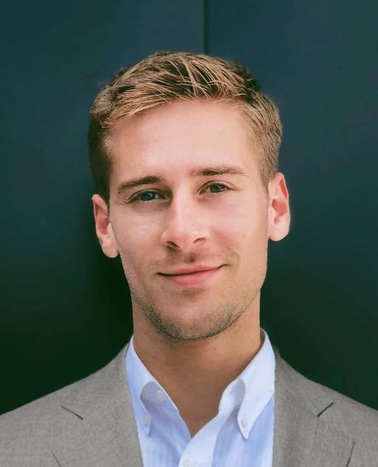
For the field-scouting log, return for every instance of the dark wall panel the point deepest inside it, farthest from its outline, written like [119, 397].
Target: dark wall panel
[64, 308]
[317, 60]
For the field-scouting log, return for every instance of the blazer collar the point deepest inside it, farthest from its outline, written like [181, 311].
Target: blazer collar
[100, 427]
[301, 436]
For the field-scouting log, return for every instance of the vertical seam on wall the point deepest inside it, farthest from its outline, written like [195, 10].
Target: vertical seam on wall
[206, 26]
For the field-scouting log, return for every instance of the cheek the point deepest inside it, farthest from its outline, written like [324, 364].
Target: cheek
[133, 266]
[247, 227]
[136, 243]
[133, 232]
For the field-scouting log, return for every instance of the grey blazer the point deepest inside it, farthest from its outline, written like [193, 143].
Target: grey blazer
[91, 424]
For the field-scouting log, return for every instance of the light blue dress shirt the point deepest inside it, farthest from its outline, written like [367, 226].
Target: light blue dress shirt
[241, 434]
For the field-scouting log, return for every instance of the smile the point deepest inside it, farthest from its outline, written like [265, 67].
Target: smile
[191, 277]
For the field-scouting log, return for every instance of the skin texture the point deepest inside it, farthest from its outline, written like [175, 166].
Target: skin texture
[191, 220]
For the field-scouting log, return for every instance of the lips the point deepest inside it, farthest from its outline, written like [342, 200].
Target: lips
[190, 276]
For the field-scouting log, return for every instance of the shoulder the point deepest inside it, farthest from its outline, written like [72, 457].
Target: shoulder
[24, 430]
[349, 416]
[28, 428]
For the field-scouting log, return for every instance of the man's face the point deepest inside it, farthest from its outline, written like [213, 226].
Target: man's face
[190, 217]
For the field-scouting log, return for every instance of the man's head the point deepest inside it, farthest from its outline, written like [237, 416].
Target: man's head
[167, 77]
[193, 194]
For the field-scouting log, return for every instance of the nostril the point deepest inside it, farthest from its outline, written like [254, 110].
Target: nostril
[182, 237]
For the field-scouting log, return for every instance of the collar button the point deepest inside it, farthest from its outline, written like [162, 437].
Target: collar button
[244, 422]
[160, 395]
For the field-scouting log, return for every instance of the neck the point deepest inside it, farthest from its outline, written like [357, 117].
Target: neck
[196, 373]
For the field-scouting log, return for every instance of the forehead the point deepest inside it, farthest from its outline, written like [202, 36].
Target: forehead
[181, 135]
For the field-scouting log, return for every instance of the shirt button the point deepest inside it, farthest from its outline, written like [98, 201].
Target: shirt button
[244, 422]
[160, 395]
[186, 463]
[145, 420]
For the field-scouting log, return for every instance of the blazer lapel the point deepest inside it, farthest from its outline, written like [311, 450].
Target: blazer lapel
[301, 437]
[101, 428]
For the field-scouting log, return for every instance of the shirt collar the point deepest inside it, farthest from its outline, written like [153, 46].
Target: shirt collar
[254, 387]
[141, 377]
[144, 389]
[250, 391]
[138, 379]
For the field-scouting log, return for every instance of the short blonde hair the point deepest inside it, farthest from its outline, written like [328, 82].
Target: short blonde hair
[166, 77]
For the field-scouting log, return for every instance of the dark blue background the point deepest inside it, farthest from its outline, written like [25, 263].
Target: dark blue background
[64, 308]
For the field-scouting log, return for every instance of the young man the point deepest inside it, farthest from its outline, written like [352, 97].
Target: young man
[183, 152]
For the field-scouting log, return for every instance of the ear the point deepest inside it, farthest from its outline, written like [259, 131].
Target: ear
[104, 230]
[279, 209]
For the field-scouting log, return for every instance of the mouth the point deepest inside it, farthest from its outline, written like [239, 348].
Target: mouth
[190, 276]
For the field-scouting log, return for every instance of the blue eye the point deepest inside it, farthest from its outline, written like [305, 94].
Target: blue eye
[147, 196]
[217, 188]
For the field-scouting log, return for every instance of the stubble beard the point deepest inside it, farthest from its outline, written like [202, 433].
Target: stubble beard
[218, 318]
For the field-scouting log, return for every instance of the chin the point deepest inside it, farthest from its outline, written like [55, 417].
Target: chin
[194, 331]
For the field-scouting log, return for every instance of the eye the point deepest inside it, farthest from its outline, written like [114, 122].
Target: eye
[216, 188]
[146, 196]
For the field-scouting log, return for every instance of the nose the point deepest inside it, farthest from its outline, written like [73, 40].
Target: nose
[185, 225]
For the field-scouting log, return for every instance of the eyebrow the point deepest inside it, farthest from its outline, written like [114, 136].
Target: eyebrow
[201, 172]
[149, 179]
[218, 170]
